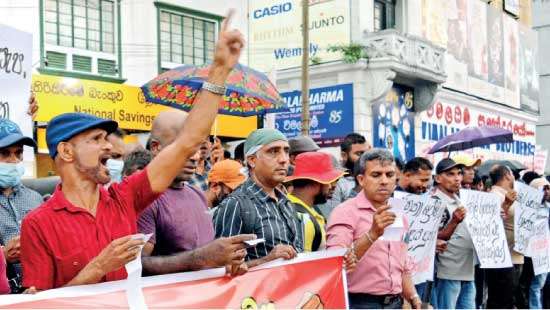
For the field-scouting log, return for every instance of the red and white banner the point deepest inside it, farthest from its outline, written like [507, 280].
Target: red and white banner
[315, 280]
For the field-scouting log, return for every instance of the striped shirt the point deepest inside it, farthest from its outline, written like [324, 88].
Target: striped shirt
[250, 210]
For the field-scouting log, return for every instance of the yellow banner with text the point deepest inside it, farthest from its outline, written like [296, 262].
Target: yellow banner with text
[120, 102]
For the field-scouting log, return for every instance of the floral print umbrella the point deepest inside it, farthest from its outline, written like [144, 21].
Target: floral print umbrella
[249, 92]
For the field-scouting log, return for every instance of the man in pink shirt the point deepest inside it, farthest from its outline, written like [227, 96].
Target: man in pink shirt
[382, 278]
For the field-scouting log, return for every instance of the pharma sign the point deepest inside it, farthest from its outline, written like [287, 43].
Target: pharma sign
[331, 114]
[275, 37]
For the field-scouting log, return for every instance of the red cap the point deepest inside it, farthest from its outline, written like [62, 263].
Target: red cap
[316, 166]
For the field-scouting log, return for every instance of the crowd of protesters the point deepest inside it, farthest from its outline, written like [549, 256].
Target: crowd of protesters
[201, 206]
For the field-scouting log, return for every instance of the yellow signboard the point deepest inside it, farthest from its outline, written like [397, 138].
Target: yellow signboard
[122, 103]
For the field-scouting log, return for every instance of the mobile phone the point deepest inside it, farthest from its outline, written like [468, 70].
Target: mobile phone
[253, 243]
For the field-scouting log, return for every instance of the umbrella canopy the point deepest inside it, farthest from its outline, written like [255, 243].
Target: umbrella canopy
[471, 137]
[485, 167]
[249, 92]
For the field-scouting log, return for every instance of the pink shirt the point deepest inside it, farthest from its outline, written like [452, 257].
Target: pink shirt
[4, 286]
[380, 270]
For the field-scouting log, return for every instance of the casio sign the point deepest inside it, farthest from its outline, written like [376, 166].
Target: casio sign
[273, 10]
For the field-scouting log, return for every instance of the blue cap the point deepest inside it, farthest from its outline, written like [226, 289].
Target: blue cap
[11, 134]
[65, 126]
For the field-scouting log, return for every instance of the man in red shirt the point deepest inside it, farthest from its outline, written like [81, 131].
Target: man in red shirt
[81, 235]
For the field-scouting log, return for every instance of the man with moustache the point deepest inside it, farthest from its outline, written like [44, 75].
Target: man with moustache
[313, 183]
[182, 231]
[259, 206]
[455, 286]
[82, 235]
[416, 176]
[382, 278]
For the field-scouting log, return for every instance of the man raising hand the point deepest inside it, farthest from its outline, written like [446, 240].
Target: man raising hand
[80, 235]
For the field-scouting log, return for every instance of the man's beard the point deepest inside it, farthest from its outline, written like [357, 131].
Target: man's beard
[320, 199]
[413, 190]
[349, 165]
[219, 199]
[92, 173]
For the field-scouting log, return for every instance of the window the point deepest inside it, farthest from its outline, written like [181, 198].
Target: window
[186, 39]
[83, 24]
[384, 14]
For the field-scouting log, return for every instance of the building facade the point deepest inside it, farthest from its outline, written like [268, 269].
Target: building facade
[541, 23]
[430, 68]
[92, 55]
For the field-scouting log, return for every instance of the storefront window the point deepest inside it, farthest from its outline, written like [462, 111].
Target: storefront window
[384, 14]
[83, 24]
[186, 39]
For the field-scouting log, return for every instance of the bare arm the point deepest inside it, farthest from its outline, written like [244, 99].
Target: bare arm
[447, 232]
[168, 163]
[117, 254]
[381, 219]
[283, 251]
[409, 291]
[218, 253]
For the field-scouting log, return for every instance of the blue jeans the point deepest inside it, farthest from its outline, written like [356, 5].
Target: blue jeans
[455, 294]
[421, 290]
[535, 291]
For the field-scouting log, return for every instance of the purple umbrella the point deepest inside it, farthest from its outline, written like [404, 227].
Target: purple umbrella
[471, 137]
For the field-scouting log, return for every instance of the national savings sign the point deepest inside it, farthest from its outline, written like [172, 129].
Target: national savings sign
[444, 118]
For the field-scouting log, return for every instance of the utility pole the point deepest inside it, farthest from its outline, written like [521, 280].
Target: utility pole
[305, 67]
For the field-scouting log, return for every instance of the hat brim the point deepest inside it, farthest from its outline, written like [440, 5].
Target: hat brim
[16, 138]
[233, 185]
[457, 165]
[323, 178]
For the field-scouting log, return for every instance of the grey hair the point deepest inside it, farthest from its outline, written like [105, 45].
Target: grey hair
[379, 154]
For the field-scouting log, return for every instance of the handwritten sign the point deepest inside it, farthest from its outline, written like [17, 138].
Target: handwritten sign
[485, 225]
[15, 83]
[423, 215]
[525, 215]
[539, 244]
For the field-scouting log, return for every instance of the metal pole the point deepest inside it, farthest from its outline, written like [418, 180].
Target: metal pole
[305, 67]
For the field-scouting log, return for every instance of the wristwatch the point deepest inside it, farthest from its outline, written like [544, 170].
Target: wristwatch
[213, 88]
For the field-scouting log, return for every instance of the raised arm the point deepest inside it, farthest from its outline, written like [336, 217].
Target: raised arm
[168, 163]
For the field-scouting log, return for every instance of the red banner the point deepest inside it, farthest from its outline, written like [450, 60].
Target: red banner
[310, 281]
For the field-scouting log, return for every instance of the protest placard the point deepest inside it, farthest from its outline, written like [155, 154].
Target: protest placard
[539, 244]
[423, 215]
[485, 226]
[15, 83]
[525, 215]
[395, 231]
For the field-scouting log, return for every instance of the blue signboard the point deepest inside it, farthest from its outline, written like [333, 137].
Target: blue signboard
[331, 114]
[393, 122]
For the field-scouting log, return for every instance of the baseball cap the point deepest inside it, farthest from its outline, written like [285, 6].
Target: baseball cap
[11, 134]
[447, 164]
[227, 172]
[302, 144]
[466, 160]
[65, 126]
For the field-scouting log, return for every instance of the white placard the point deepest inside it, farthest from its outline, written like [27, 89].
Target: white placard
[525, 215]
[539, 244]
[15, 84]
[423, 214]
[395, 231]
[486, 228]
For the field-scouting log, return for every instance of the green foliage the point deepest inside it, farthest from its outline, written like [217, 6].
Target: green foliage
[351, 53]
[315, 60]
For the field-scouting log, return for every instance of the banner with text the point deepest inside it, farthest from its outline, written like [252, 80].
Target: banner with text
[527, 213]
[15, 84]
[331, 114]
[444, 118]
[275, 32]
[311, 281]
[423, 215]
[485, 225]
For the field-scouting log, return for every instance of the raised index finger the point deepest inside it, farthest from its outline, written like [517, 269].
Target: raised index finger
[227, 21]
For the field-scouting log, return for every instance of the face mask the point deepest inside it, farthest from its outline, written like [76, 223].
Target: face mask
[10, 174]
[115, 169]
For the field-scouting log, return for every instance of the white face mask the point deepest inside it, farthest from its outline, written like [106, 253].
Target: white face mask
[10, 174]
[115, 169]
